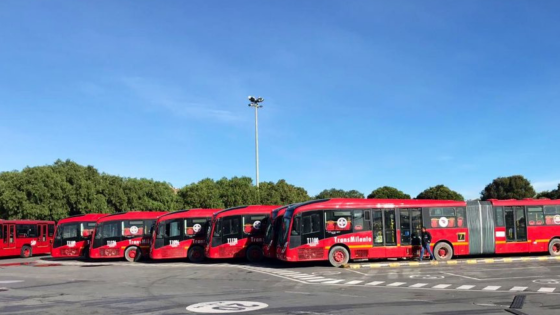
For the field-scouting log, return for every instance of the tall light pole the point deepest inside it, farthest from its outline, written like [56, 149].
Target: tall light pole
[255, 103]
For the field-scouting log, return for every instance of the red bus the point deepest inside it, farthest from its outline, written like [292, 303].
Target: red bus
[269, 246]
[125, 234]
[342, 229]
[181, 234]
[73, 235]
[25, 237]
[238, 232]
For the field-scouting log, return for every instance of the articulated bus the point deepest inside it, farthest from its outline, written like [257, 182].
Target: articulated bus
[181, 234]
[73, 235]
[238, 232]
[25, 237]
[269, 246]
[125, 234]
[342, 229]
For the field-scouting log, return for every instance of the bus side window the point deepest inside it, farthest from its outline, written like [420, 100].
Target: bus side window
[296, 226]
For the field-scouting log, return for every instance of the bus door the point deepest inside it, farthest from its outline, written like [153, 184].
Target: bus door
[384, 228]
[42, 240]
[9, 236]
[516, 229]
[231, 231]
[410, 231]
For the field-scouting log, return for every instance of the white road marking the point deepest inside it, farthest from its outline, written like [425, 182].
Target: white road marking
[354, 282]
[317, 280]
[309, 278]
[546, 290]
[375, 283]
[465, 287]
[332, 282]
[418, 285]
[456, 275]
[491, 288]
[441, 286]
[396, 284]
[518, 289]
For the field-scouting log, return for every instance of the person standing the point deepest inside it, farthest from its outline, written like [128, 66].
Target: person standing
[426, 240]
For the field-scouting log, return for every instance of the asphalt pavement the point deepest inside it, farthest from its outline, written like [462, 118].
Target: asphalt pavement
[46, 286]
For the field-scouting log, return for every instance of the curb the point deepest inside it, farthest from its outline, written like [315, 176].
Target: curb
[452, 262]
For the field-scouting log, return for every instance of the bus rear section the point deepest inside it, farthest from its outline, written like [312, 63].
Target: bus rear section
[73, 236]
[25, 238]
[238, 232]
[123, 235]
[269, 246]
[181, 234]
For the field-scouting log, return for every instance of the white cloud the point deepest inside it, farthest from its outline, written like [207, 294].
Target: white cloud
[174, 100]
[546, 185]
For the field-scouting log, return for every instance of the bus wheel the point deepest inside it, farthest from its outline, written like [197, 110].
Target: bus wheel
[339, 256]
[443, 251]
[554, 247]
[196, 254]
[26, 252]
[132, 254]
[254, 254]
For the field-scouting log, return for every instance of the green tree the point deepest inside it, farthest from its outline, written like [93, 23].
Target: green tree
[237, 191]
[281, 193]
[387, 192]
[339, 193]
[512, 187]
[204, 194]
[440, 192]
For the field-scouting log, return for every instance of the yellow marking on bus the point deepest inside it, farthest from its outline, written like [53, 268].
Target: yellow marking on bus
[452, 262]
[360, 246]
[186, 247]
[471, 261]
[145, 246]
[542, 241]
[489, 260]
[123, 247]
[500, 242]
[460, 243]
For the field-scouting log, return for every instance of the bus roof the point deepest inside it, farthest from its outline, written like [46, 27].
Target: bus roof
[254, 209]
[524, 202]
[25, 222]
[88, 217]
[347, 203]
[189, 213]
[132, 215]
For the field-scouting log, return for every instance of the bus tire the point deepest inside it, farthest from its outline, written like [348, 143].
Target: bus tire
[254, 253]
[339, 256]
[554, 247]
[443, 251]
[132, 254]
[196, 254]
[26, 251]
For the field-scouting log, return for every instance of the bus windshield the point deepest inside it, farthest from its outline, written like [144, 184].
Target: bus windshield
[75, 231]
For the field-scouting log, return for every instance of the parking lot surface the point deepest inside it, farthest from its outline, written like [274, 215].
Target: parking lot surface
[46, 286]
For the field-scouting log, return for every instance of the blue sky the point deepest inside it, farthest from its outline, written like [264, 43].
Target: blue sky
[358, 94]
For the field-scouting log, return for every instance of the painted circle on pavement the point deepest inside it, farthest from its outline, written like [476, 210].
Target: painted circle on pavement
[341, 223]
[133, 229]
[257, 225]
[443, 222]
[226, 307]
[557, 219]
[197, 227]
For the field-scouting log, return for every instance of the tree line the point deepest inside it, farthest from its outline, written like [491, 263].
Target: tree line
[65, 188]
